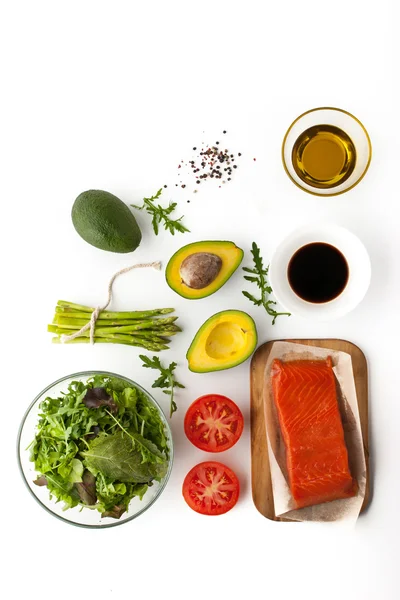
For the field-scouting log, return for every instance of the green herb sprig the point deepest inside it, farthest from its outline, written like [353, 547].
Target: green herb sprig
[259, 276]
[161, 215]
[166, 379]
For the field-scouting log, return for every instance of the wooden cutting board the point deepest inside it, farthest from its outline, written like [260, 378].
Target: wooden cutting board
[260, 473]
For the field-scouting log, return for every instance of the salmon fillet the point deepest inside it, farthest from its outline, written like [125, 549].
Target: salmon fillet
[316, 455]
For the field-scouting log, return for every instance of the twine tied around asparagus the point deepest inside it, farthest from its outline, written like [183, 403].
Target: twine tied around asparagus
[95, 314]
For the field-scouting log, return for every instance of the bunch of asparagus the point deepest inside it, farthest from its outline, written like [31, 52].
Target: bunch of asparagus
[145, 329]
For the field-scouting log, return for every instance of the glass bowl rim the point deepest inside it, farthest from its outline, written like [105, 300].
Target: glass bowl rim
[166, 424]
[346, 112]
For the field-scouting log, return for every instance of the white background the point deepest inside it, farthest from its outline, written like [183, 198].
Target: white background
[112, 95]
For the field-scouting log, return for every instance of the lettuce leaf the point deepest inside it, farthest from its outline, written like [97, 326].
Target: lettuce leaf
[117, 457]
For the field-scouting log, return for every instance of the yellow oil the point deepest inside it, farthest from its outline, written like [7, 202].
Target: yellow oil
[324, 156]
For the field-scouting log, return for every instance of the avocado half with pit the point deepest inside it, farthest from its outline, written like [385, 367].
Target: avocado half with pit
[200, 269]
[224, 341]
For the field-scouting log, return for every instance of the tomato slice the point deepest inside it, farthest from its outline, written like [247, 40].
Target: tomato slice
[211, 488]
[213, 423]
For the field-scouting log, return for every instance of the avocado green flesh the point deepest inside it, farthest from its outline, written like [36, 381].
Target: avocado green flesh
[104, 221]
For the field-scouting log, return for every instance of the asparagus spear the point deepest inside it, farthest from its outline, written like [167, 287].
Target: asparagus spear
[62, 319]
[145, 336]
[136, 314]
[107, 317]
[101, 340]
[145, 333]
[78, 323]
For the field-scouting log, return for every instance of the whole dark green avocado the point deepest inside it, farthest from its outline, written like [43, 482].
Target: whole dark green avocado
[104, 221]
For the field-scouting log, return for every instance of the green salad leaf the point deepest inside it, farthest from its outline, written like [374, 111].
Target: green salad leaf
[100, 443]
[116, 456]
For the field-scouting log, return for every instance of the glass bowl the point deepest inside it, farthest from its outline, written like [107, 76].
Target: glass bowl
[350, 125]
[86, 516]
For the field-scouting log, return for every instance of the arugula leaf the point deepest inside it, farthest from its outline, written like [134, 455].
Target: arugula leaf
[116, 457]
[166, 379]
[117, 384]
[129, 398]
[259, 276]
[114, 498]
[161, 215]
[76, 472]
[62, 491]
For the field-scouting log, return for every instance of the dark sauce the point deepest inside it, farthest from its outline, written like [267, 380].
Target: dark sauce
[318, 272]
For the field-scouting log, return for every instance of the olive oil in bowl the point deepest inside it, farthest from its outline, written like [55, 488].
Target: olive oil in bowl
[324, 156]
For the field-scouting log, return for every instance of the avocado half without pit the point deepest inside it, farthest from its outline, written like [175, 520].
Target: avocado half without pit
[224, 341]
[201, 268]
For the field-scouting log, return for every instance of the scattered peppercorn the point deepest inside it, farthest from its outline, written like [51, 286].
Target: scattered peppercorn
[207, 164]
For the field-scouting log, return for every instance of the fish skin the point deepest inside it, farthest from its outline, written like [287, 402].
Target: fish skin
[316, 455]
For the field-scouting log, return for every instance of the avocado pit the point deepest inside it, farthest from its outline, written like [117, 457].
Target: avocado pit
[200, 269]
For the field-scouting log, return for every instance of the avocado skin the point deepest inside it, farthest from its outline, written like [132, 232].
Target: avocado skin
[104, 221]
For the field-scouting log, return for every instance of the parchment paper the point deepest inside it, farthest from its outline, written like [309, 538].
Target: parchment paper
[346, 510]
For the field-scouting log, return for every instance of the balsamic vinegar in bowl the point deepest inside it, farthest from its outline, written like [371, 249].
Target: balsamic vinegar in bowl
[318, 272]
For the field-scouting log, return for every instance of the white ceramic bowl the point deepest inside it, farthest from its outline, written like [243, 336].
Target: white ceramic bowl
[359, 271]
